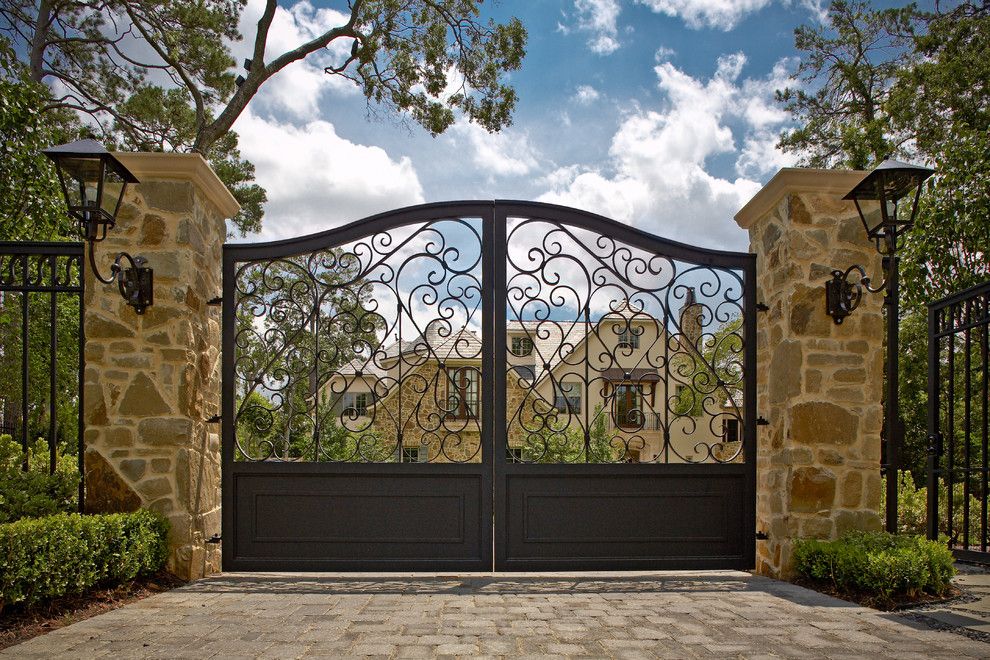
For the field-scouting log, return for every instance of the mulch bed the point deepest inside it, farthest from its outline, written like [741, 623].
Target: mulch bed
[21, 624]
[867, 600]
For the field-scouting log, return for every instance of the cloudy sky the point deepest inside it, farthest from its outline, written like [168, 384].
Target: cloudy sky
[657, 113]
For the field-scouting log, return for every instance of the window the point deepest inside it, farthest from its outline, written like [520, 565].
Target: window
[356, 403]
[463, 393]
[629, 406]
[522, 346]
[525, 371]
[730, 430]
[568, 398]
[629, 337]
[415, 455]
[514, 454]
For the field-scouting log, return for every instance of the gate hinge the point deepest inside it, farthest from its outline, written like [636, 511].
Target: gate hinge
[762, 536]
[761, 307]
[216, 419]
[213, 539]
[762, 421]
[215, 302]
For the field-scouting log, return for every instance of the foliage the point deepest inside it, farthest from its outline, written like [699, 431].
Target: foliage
[161, 76]
[883, 567]
[293, 316]
[912, 510]
[914, 84]
[64, 554]
[714, 375]
[35, 492]
[557, 440]
[66, 357]
[853, 60]
[31, 205]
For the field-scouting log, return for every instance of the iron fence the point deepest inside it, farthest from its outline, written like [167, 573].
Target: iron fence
[959, 421]
[41, 350]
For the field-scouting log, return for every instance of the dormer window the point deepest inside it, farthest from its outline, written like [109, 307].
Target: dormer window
[629, 337]
[522, 346]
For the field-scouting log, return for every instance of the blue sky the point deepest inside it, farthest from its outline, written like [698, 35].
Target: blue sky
[657, 113]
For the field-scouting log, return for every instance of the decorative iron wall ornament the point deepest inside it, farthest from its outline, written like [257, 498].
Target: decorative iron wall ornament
[366, 351]
[652, 345]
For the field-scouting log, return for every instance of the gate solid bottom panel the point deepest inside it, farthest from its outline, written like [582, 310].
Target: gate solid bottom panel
[377, 519]
[623, 520]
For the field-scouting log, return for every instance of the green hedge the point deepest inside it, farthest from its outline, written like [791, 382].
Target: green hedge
[44, 558]
[35, 493]
[879, 566]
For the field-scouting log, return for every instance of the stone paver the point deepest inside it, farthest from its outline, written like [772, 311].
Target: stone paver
[593, 615]
[971, 612]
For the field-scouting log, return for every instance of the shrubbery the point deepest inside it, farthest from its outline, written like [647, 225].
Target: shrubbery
[35, 492]
[65, 554]
[912, 509]
[877, 566]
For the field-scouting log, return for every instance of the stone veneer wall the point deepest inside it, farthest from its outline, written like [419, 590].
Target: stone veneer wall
[153, 380]
[818, 384]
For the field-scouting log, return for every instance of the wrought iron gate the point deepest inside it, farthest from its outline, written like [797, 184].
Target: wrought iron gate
[959, 421]
[487, 384]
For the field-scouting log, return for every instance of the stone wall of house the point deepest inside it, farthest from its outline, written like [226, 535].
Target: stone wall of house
[152, 381]
[818, 384]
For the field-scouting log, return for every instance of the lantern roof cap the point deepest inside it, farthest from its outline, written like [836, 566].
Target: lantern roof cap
[898, 180]
[89, 148]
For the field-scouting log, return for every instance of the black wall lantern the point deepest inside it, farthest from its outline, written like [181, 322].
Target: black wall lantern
[890, 186]
[887, 185]
[93, 182]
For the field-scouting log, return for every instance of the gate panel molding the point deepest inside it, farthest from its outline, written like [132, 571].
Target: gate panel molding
[819, 384]
[153, 381]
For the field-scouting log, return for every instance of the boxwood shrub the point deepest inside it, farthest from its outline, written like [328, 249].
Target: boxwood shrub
[879, 567]
[45, 558]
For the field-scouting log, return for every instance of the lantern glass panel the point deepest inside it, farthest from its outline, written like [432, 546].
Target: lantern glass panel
[113, 190]
[82, 179]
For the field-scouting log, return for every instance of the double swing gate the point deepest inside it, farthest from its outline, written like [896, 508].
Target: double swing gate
[479, 385]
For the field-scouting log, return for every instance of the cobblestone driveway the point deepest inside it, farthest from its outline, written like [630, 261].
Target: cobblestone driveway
[632, 615]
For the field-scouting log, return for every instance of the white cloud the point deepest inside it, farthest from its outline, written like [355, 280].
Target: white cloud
[657, 177]
[586, 95]
[663, 54]
[721, 14]
[506, 153]
[317, 180]
[597, 17]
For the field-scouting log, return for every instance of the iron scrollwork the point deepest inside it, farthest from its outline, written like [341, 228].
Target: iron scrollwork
[637, 356]
[363, 352]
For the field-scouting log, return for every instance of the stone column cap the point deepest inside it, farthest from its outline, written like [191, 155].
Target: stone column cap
[797, 180]
[185, 167]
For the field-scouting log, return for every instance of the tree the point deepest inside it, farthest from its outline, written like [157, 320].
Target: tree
[31, 205]
[849, 67]
[930, 93]
[161, 75]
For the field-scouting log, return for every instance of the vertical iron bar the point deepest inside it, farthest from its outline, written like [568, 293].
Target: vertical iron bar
[53, 348]
[934, 442]
[984, 430]
[892, 411]
[587, 388]
[967, 419]
[80, 427]
[24, 367]
[950, 424]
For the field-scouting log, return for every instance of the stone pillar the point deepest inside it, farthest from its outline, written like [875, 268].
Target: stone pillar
[152, 381]
[818, 384]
